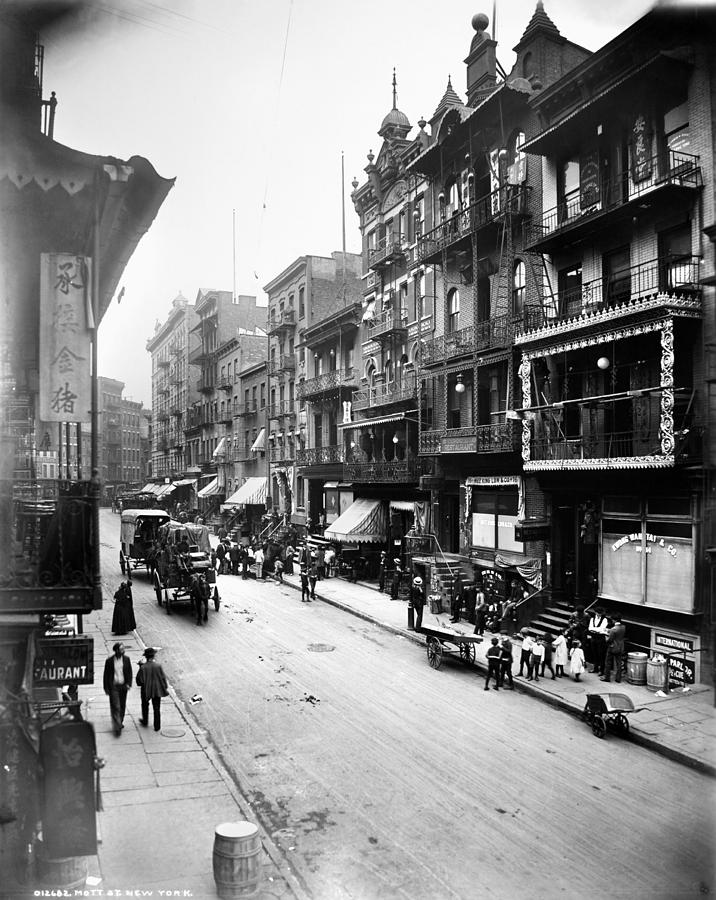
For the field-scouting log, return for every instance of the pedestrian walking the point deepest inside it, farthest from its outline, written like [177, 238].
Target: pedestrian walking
[382, 570]
[305, 587]
[220, 555]
[289, 556]
[527, 643]
[506, 662]
[278, 570]
[493, 665]
[547, 658]
[321, 563]
[221, 533]
[456, 604]
[117, 680]
[153, 685]
[561, 653]
[615, 651]
[576, 660]
[536, 657]
[480, 610]
[417, 598]
[312, 578]
[259, 563]
[330, 562]
[470, 596]
[508, 616]
[246, 560]
[123, 614]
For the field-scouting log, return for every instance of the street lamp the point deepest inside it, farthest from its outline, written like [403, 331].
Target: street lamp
[459, 386]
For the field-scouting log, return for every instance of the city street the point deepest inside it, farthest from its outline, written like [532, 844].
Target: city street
[377, 776]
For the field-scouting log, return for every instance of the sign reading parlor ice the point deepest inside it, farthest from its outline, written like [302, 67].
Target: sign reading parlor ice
[643, 542]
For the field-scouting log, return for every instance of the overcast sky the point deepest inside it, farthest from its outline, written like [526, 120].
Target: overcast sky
[249, 103]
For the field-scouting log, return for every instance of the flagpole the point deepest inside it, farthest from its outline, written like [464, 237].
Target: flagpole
[343, 215]
[233, 247]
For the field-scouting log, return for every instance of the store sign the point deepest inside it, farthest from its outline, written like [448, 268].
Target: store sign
[532, 531]
[641, 161]
[682, 666]
[492, 480]
[61, 661]
[638, 537]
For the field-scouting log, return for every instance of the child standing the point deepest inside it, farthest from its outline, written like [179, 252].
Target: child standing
[561, 657]
[576, 660]
[547, 658]
[536, 656]
[527, 643]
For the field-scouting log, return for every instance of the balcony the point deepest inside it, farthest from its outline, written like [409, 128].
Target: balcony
[242, 453]
[245, 409]
[386, 394]
[607, 450]
[176, 378]
[175, 410]
[225, 416]
[388, 324]
[285, 321]
[285, 454]
[321, 384]
[225, 384]
[510, 200]
[639, 289]
[163, 363]
[282, 363]
[380, 471]
[503, 437]
[388, 250]
[206, 386]
[666, 178]
[319, 456]
[197, 418]
[163, 389]
[162, 416]
[284, 409]
[493, 333]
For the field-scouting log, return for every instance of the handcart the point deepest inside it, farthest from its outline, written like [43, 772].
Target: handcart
[608, 710]
[441, 642]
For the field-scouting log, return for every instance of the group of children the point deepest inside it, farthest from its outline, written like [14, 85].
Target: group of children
[537, 655]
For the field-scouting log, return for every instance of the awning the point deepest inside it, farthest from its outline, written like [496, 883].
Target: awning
[184, 482]
[148, 488]
[252, 492]
[369, 312]
[368, 423]
[220, 449]
[165, 490]
[362, 522]
[210, 489]
[330, 486]
[403, 505]
[260, 442]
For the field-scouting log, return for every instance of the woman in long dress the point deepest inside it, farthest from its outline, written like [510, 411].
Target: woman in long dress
[561, 654]
[123, 616]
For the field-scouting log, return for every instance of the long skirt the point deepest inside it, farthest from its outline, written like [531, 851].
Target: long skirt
[123, 617]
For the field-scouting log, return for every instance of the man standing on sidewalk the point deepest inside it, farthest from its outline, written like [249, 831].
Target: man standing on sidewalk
[117, 681]
[493, 665]
[615, 650]
[153, 684]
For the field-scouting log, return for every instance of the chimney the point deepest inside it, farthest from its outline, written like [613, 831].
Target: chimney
[481, 61]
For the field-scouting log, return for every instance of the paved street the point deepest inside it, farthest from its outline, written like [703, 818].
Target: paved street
[378, 777]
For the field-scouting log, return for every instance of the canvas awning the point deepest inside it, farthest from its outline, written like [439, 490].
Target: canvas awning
[184, 482]
[148, 488]
[369, 312]
[252, 492]
[210, 489]
[403, 505]
[260, 442]
[220, 449]
[379, 420]
[362, 522]
[165, 490]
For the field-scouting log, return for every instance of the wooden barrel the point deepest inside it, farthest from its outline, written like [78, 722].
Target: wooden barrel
[69, 873]
[656, 674]
[237, 859]
[636, 668]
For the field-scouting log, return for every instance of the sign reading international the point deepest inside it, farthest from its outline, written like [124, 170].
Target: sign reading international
[64, 660]
[65, 337]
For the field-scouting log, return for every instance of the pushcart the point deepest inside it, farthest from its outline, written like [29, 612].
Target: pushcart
[604, 711]
[442, 642]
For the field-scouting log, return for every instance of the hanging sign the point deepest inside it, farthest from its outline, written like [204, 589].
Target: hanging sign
[61, 661]
[65, 337]
[641, 161]
[589, 180]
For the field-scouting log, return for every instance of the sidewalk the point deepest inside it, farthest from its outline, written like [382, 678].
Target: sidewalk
[163, 795]
[681, 726]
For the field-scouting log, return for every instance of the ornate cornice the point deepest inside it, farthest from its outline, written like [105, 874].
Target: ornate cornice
[588, 340]
[621, 462]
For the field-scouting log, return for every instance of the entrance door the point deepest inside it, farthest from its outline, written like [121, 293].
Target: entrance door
[449, 532]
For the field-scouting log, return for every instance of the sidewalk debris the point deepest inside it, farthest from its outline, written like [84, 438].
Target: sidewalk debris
[197, 698]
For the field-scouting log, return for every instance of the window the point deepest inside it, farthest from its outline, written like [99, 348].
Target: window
[494, 515]
[300, 501]
[453, 320]
[318, 430]
[404, 301]
[348, 356]
[568, 189]
[527, 65]
[422, 299]
[453, 198]
[419, 216]
[403, 226]
[569, 288]
[290, 301]
[675, 264]
[301, 302]
[676, 129]
[518, 288]
[263, 395]
[616, 275]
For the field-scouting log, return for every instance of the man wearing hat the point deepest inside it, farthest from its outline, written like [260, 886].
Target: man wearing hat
[117, 680]
[417, 598]
[153, 684]
[395, 583]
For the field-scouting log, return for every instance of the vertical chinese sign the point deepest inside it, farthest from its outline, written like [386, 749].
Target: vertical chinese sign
[65, 338]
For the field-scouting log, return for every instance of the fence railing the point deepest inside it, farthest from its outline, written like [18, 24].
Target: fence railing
[319, 456]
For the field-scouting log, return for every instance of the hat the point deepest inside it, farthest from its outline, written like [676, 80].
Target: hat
[418, 581]
[149, 652]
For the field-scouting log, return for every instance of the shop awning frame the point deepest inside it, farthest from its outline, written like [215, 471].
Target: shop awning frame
[211, 489]
[252, 492]
[364, 522]
[379, 420]
[259, 445]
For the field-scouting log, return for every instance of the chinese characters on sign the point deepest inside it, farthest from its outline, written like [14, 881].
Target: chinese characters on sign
[65, 337]
[641, 162]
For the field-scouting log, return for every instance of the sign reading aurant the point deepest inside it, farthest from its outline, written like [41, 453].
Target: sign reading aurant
[64, 660]
[65, 335]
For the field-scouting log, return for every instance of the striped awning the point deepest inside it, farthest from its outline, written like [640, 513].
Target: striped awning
[369, 423]
[252, 492]
[210, 489]
[165, 490]
[362, 522]
[403, 505]
[260, 442]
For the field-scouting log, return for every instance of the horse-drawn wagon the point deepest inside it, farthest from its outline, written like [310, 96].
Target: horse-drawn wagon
[138, 532]
[184, 569]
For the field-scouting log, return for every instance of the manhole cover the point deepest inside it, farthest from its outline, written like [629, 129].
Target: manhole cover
[173, 732]
[321, 648]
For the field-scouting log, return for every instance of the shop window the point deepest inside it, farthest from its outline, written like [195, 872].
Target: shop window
[669, 506]
[494, 515]
[518, 288]
[453, 320]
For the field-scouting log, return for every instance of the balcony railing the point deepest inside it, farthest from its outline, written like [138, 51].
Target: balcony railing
[385, 394]
[245, 409]
[388, 249]
[241, 452]
[282, 410]
[503, 437]
[490, 334]
[402, 470]
[225, 384]
[319, 456]
[670, 169]
[388, 323]
[205, 386]
[329, 381]
[510, 199]
[284, 321]
[629, 289]
[602, 445]
[282, 363]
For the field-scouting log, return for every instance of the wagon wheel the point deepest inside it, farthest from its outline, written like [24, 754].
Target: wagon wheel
[158, 587]
[435, 652]
[121, 562]
[599, 727]
[467, 652]
[622, 722]
[217, 600]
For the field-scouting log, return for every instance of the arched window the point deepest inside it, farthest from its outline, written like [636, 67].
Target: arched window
[518, 288]
[388, 372]
[527, 65]
[453, 311]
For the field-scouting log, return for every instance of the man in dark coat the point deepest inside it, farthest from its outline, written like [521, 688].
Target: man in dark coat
[395, 580]
[117, 680]
[615, 650]
[417, 598]
[305, 587]
[153, 684]
[235, 556]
